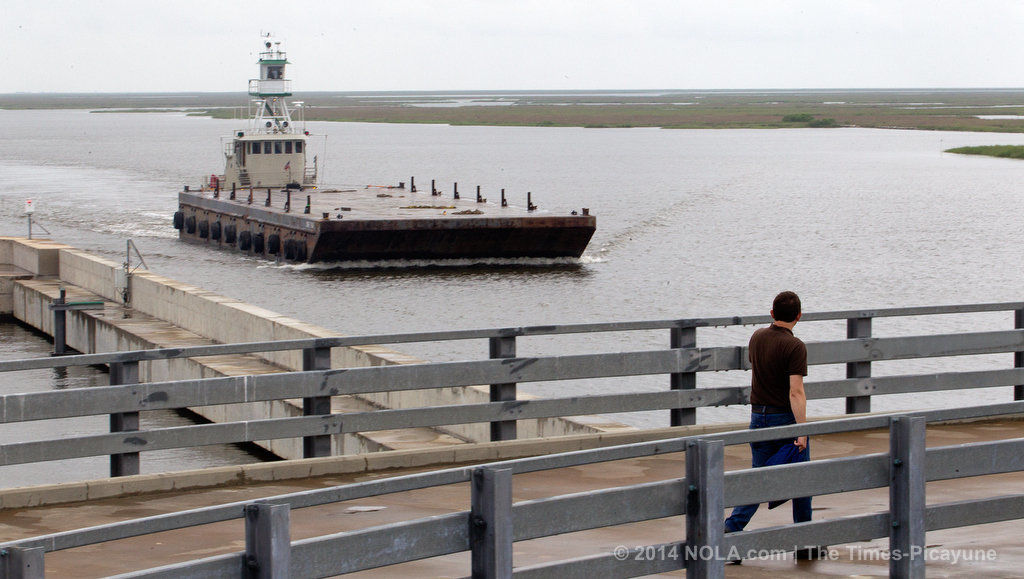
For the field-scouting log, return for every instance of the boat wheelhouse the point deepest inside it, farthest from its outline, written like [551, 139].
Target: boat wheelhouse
[271, 152]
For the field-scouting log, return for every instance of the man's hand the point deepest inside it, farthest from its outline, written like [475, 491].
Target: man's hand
[798, 402]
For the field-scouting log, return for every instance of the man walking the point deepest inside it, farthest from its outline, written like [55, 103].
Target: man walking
[778, 361]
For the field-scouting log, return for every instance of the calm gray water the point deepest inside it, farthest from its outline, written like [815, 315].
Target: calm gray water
[691, 223]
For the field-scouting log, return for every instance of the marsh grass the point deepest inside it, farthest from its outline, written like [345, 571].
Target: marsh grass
[1005, 151]
[935, 109]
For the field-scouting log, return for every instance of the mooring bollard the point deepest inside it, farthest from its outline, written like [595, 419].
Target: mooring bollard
[59, 325]
[455, 188]
[59, 307]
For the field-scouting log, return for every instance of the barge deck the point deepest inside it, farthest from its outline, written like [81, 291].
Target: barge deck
[375, 223]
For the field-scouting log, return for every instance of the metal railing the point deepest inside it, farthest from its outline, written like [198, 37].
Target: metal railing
[489, 529]
[125, 398]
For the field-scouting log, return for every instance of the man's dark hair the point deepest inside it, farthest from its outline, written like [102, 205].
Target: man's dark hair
[786, 306]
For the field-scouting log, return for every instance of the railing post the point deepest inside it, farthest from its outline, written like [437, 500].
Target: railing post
[319, 444]
[503, 347]
[267, 541]
[1018, 357]
[907, 496]
[705, 525]
[858, 328]
[683, 338]
[490, 522]
[22, 563]
[126, 463]
[60, 325]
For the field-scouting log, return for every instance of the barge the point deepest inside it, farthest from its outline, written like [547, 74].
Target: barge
[268, 203]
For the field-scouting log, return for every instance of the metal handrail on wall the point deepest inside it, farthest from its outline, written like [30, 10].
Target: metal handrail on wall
[125, 398]
[701, 496]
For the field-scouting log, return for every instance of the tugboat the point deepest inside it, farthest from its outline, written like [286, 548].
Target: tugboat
[249, 207]
[271, 153]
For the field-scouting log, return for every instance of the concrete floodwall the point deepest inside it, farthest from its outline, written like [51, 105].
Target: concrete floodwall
[226, 320]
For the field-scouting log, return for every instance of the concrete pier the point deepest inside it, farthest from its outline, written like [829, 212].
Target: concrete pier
[162, 312]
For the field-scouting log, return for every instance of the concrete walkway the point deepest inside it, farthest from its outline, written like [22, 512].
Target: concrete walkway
[860, 559]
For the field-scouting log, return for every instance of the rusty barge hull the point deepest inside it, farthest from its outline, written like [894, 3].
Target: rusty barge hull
[332, 231]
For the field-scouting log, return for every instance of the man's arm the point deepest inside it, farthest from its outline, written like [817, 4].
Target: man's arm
[798, 402]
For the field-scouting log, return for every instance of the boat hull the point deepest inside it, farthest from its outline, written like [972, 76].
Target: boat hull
[297, 237]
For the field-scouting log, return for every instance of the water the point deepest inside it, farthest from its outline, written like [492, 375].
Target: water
[691, 223]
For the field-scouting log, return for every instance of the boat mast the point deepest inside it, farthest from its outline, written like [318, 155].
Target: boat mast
[271, 90]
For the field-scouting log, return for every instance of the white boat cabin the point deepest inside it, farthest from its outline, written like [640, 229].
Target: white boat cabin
[271, 152]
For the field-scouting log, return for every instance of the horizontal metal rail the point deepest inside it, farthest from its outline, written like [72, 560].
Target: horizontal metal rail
[163, 395]
[168, 438]
[317, 497]
[782, 538]
[523, 331]
[210, 391]
[406, 541]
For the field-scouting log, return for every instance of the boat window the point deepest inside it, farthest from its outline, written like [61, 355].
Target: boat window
[267, 147]
[255, 147]
[287, 147]
[277, 147]
[298, 146]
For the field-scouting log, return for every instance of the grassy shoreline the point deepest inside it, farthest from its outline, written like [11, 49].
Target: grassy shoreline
[947, 110]
[1001, 151]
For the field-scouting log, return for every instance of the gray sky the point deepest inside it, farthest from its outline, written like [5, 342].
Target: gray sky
[189, 45]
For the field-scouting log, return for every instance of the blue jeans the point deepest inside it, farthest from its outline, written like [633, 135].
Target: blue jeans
[760, 452]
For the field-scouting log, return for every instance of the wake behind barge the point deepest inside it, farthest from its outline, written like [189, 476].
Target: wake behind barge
[267, 203]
